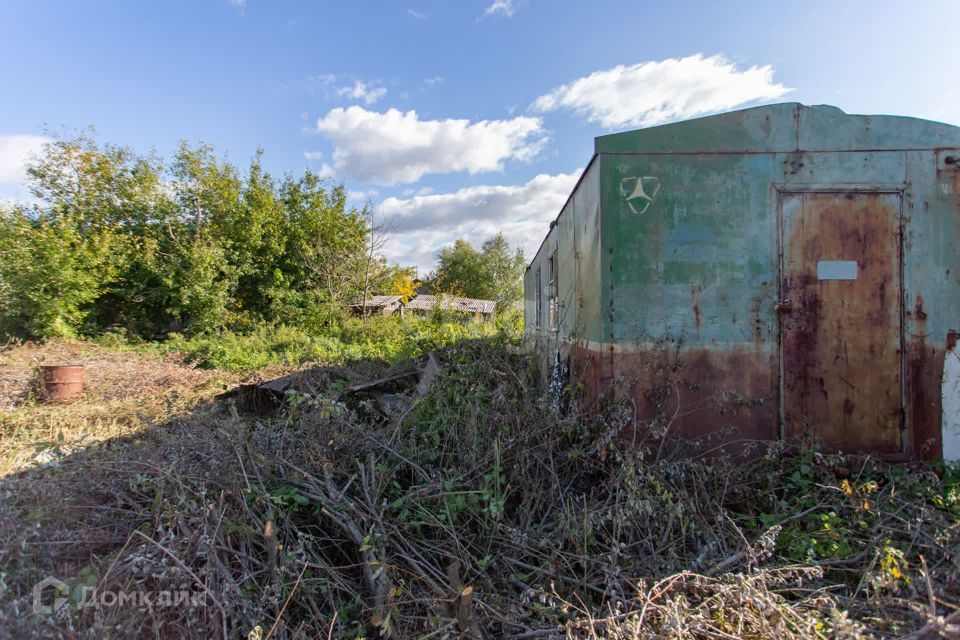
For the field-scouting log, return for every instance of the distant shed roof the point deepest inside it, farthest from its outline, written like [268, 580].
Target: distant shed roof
[452, 303]
[379, 301]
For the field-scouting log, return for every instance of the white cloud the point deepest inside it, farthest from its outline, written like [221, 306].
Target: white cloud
[366, 91]
[502, 7]
[362, 196]
[322, 79]
[15, 152]
[419, 15]
[361, 91]
[654, 92]
[325, 170]
[424, 224]
[434, 81]
[239, 4]
[396, 147]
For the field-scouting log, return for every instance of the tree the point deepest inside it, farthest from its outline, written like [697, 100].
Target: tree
[60, 259]
[192, 245]
[502, 270]
[51, 273]
[402, 284]
[329, 239]
[492, 273]
[377, 236]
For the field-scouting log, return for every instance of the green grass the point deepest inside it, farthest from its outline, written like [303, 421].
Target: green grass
[379, 338]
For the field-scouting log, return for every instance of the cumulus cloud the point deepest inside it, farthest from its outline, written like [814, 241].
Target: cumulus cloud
[419, 15]
[360, 197]
[396, 147]
[423, 224]
[655, 92]
[15, 152]
[361, 91]
[366, 91]
[501, 7]
[314, 157]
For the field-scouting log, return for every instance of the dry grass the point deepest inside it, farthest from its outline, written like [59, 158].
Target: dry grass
[474, 511]
[124, 392]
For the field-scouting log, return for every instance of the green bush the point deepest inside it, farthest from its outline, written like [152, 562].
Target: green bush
[380, 338]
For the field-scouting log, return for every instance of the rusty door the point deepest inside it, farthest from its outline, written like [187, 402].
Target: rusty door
[840, 319]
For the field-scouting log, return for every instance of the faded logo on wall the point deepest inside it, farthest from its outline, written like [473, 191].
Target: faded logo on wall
[639, 192]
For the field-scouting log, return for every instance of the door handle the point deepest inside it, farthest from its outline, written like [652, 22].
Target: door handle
[783, 306]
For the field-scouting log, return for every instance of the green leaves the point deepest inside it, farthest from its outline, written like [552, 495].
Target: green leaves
[51, 272]
[492, 273]
[195, 246]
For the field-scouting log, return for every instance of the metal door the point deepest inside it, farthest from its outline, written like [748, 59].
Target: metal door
[840, 319]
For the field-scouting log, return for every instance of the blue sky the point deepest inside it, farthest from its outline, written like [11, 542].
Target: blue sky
[457, 119]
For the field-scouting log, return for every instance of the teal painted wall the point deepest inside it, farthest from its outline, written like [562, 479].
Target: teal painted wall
[673, 236]
[699, 258]
[710, 236]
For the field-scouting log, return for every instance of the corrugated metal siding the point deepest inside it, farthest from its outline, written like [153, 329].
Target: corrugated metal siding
[381, 301]
[454, 303]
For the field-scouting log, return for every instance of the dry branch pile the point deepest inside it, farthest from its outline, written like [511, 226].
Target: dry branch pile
[474, 511]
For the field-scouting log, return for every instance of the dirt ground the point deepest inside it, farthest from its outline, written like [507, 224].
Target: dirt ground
[364, 506]
[124, 391]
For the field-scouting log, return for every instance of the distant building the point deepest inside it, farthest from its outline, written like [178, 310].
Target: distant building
[479, 309]
[380, 306]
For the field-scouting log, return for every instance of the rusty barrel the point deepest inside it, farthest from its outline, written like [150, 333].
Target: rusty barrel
[62, 382]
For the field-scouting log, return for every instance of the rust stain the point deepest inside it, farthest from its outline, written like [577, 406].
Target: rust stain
[695, 294]
[918, 313]
[756, 311]
[724, 398]
[924, 374]
[952, 338]
[841, 356]
[587, 372]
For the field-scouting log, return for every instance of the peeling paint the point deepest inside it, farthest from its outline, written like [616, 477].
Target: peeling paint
[951, 402]
[675, 239]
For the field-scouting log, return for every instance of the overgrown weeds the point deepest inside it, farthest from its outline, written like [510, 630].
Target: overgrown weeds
[379, 338]
[474, 511]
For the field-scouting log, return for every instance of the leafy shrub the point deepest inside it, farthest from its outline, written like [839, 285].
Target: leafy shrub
[380, 338]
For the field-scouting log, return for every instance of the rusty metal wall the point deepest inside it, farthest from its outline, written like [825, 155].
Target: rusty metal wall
[696, 255]
[840, 318]
[690, 275]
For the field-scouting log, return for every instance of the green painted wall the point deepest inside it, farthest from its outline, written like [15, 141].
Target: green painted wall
[707, 245]
[672, 237]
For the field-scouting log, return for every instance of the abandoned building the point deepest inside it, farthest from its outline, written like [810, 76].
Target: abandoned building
[380, 306]
[762, 274]
[421, 305]
[479, 309]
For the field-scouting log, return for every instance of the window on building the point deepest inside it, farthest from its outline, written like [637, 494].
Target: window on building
[553, 289]
[538, 286]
